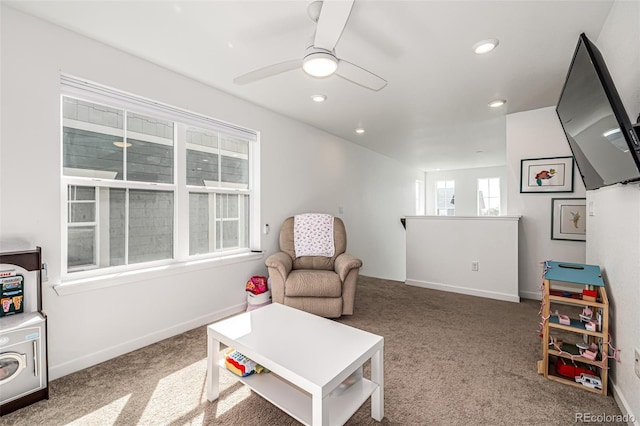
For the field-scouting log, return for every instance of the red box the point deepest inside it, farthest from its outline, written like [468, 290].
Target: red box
[589, 295]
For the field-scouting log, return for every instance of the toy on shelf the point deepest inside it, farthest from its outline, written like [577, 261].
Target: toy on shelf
[591, 326]
[591, 352]
[569, 369]
[556, 343]
[564, 319]
[589, 295]
[240, 364]
[589, 381]
[586, 315]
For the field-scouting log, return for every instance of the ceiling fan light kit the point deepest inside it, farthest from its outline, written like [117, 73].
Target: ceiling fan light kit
[320, 64]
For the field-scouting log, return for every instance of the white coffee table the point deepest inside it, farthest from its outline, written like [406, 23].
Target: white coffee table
[309, 357]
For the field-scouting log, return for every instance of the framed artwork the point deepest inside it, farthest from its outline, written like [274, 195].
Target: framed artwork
[546, 174]
[569, 219]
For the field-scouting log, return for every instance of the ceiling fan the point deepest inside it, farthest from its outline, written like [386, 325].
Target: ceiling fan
[320, 58]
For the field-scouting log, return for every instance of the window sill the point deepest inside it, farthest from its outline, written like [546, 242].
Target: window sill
[88, 284]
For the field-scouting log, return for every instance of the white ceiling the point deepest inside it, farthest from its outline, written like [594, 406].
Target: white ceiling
[433, 113]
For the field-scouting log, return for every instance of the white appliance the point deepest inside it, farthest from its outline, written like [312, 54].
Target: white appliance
[22, 355]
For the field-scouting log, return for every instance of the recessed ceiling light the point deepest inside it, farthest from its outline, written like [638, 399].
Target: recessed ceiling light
[318, 98]
[121, 144]
[485, 46]
[497, 103]
[360, 131]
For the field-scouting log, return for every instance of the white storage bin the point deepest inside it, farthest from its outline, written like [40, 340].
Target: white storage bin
[255, 301]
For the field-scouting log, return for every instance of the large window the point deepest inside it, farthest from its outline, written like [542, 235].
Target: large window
[131, 167]
[445, 198]
[489, 197]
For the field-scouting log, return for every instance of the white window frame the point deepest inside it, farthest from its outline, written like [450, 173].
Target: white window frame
[92, 92]
[489, 195]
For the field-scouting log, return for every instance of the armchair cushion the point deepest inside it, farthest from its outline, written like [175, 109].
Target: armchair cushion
[309, 283]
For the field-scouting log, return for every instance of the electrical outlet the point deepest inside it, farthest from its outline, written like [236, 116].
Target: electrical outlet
[637, 362]
[475, 265]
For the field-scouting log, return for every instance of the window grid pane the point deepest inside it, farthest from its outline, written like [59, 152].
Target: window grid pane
[81, 246]
[150, 225]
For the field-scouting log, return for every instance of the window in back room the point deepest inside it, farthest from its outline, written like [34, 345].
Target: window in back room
[489, 196]
[445, 198]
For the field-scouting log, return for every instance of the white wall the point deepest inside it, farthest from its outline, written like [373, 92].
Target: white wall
[538, 134]
[466, 188]
[441, 249]
[613, 236]
[302, 169]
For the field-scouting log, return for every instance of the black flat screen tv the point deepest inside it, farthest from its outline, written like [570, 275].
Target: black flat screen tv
[604, 143]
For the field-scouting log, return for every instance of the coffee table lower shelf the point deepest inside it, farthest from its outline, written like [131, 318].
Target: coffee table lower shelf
[298, 403]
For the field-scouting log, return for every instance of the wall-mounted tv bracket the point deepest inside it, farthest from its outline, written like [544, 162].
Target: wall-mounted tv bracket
[635, 133]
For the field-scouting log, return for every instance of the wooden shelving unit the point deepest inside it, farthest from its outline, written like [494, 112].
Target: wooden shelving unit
[578, 276]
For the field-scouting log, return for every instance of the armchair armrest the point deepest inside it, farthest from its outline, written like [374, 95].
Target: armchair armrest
[280, 261]
[345, 263]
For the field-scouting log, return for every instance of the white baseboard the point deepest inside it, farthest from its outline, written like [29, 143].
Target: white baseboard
[633, 420]
[533, 295]
[464, 290]
[88, 360]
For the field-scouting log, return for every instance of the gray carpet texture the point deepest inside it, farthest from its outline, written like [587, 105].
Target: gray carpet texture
[449, 359]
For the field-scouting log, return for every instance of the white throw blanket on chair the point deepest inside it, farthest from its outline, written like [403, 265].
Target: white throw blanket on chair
[313, 235]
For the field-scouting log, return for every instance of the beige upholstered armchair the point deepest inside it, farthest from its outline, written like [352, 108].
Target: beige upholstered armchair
[324, 286]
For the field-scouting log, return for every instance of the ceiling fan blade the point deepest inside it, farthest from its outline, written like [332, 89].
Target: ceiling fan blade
[333, 18]
[360, 76]
[268, 71]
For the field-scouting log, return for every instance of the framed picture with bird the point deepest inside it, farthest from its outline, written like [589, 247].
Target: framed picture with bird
[568, 219]
[553, 174]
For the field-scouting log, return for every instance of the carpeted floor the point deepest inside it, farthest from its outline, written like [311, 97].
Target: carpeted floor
[450, 359]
